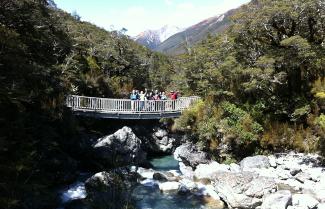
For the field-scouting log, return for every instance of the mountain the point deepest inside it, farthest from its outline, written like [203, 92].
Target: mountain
[177, 43]
[153, 38]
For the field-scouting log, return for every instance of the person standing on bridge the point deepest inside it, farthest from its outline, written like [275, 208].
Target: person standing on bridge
[133, 98]
[163, 98]
[142, 99]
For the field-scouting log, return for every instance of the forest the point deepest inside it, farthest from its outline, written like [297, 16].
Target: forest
[262, 84]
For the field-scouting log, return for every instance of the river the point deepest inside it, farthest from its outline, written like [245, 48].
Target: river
[147, 194]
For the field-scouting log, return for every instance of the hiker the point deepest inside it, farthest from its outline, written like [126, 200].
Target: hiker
[133, 98]
[142, 97]
[163, 98]
[156, 95]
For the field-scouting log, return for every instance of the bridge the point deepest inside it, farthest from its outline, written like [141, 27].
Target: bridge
[128, 109]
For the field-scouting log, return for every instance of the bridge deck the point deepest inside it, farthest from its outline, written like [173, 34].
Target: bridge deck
[128, 109]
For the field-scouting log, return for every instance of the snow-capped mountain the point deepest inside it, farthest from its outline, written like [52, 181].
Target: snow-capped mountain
[178, 43]
[152, 38]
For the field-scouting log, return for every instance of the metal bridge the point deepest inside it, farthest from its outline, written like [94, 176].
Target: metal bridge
[128, 109]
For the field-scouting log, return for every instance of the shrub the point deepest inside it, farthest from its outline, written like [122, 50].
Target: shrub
[190, 117]
[280, 137]
[240, 123]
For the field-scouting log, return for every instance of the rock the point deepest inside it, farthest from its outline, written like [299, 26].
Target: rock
[160, 133]
[207, 170]
[162, 142]
[234, 167]
[110, 189]
[319, 194]
[291, 184]
[283, 174]
[321, 206]
[183, 190]
[172, 186]
[164, 176]
[279, 200]
[207, 190]
[187, 171]
[160, 177]
[272, 161]
[190, 155]
[242, 190]
[304, 201]
[120, 149]
[295, 171]
[145, 173]
[302, 177]
[259, 161]
[189, 185]
[158, 141]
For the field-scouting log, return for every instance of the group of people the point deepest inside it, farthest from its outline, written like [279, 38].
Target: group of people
[152, 95]
[144, 98]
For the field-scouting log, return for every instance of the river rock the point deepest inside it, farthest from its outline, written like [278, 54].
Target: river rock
[120, 149]
[160, 177]
[110, 189]
[321, 206]
[190, 155]
[162, 142]
[304, 201]
[242, 190]
[206, 171]
[295, 171]
[302, 177]
[234, 167]
[187, 171]
[259, 161]
[158, 141]
[190, 186]
[171, 186]
[272, 161]
[278, 200]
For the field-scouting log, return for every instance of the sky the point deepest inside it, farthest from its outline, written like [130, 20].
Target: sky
[140, 15]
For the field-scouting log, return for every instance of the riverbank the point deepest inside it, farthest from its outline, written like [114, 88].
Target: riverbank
[190, 179]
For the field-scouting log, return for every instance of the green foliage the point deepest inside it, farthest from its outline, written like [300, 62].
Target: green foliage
[281, 137]
[46, 54]
[240, 123]
[321, 121]
[189, 118]
[205, 121]
[266, 69]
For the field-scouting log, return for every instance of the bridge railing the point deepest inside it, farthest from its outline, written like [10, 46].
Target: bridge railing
[84, 103]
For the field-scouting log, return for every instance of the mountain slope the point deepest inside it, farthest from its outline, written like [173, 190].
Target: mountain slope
[153, 38]
[177, 43]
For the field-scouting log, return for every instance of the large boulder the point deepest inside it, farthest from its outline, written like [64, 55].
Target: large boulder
[110, 189]
[120, 149]
[206, 171]
[158, 140]
[321, 206]
[279, 200]
[242, 190]
[171, 186]
[304, 201]
[190, 155]
[162, 142]
[259, 161]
